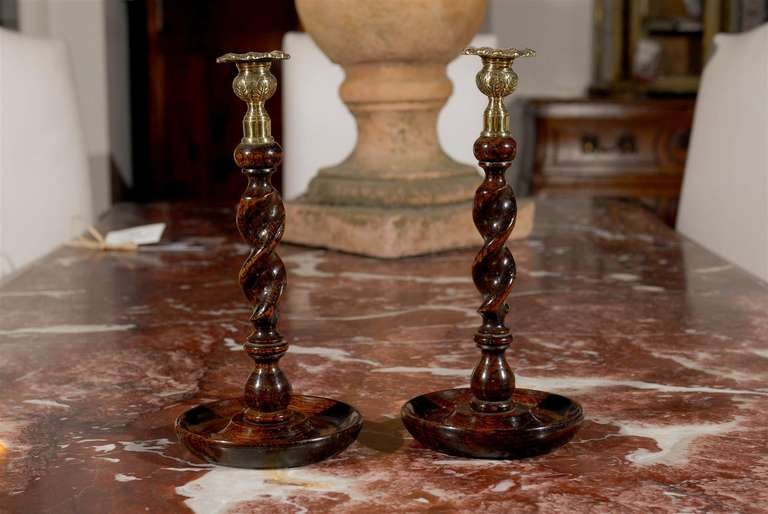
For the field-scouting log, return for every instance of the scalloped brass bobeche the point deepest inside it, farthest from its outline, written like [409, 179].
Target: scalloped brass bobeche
[496, 80]
[274, 55]
[254, 85]
[500, 53]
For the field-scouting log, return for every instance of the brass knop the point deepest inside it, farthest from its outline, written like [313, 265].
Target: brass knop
[254, 85]
[496, 79]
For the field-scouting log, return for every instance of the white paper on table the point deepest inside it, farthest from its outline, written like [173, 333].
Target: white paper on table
[141, 235]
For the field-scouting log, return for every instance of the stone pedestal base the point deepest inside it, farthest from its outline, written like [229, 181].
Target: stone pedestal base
[391, 232]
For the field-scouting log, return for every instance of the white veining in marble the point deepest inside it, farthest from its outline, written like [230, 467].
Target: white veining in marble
[158, 447]
[595, 231]
[149, 446]
[537, 274]
[470, 462]
[222, 489]
[66, 329]
[306, 266]
[125, 478]
[673, 440]
[333, 354]
[574, 384]
[624, 277]
[356, 275]
[176, 246]
[388, 314]
[47, 293]
[714, 269]
[229, 327]
[232, 345]
[696, 365]
[648, 289]
[503, 486]
[432, 370]
[47, 403]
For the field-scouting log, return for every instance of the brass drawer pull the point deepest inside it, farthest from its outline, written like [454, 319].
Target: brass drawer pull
[625, 144]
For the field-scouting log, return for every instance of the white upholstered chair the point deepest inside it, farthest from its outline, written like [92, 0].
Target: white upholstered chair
[45, 192]
[724, 201]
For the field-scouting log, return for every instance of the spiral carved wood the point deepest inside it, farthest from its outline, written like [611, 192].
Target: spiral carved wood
[492, 419]
[261, 221]
[494, 273]
[269, 427]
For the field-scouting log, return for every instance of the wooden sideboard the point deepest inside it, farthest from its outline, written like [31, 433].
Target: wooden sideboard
[606, 147]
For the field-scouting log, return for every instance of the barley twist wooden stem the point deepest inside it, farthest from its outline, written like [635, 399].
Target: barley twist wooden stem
[494, 272]
[261, 221]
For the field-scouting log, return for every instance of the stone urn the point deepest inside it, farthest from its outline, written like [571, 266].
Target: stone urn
[397, 193]
[394, 54]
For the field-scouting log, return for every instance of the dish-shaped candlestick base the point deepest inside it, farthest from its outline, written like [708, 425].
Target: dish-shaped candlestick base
[492, 419]
[269, 427]
[538, 423]
[316, 428]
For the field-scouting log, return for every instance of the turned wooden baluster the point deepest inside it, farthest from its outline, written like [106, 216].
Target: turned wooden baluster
[493, 419]
[261, 221]
[493, 272]
[494, 214]
[269, 427]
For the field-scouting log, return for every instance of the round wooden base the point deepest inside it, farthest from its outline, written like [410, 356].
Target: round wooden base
[317, 428]
[538, 423]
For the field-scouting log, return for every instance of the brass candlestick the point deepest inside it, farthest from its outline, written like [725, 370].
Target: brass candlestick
[492, 418]
[268, 427]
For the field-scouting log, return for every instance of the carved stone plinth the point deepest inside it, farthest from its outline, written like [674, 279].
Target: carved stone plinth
[392, 232]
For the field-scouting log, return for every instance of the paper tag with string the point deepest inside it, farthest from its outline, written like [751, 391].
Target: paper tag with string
[141, 235]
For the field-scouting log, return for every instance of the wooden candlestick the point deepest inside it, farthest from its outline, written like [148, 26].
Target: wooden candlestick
[492, 419]
[268, 427]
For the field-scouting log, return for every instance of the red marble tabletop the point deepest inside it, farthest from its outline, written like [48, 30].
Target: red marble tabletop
[663, 343]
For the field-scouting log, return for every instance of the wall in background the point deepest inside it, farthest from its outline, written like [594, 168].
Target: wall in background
[561, 33]
[9, 14]
[96, 36]
[118, 91]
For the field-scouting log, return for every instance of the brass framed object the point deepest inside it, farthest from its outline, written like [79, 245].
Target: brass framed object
[654, 46]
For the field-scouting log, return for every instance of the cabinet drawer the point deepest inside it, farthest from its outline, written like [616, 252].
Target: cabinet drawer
[606, 147]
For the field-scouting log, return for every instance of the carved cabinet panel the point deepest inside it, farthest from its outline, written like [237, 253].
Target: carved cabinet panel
[620, 148]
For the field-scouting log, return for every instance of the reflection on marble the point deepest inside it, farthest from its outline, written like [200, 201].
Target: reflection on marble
[664, 344]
